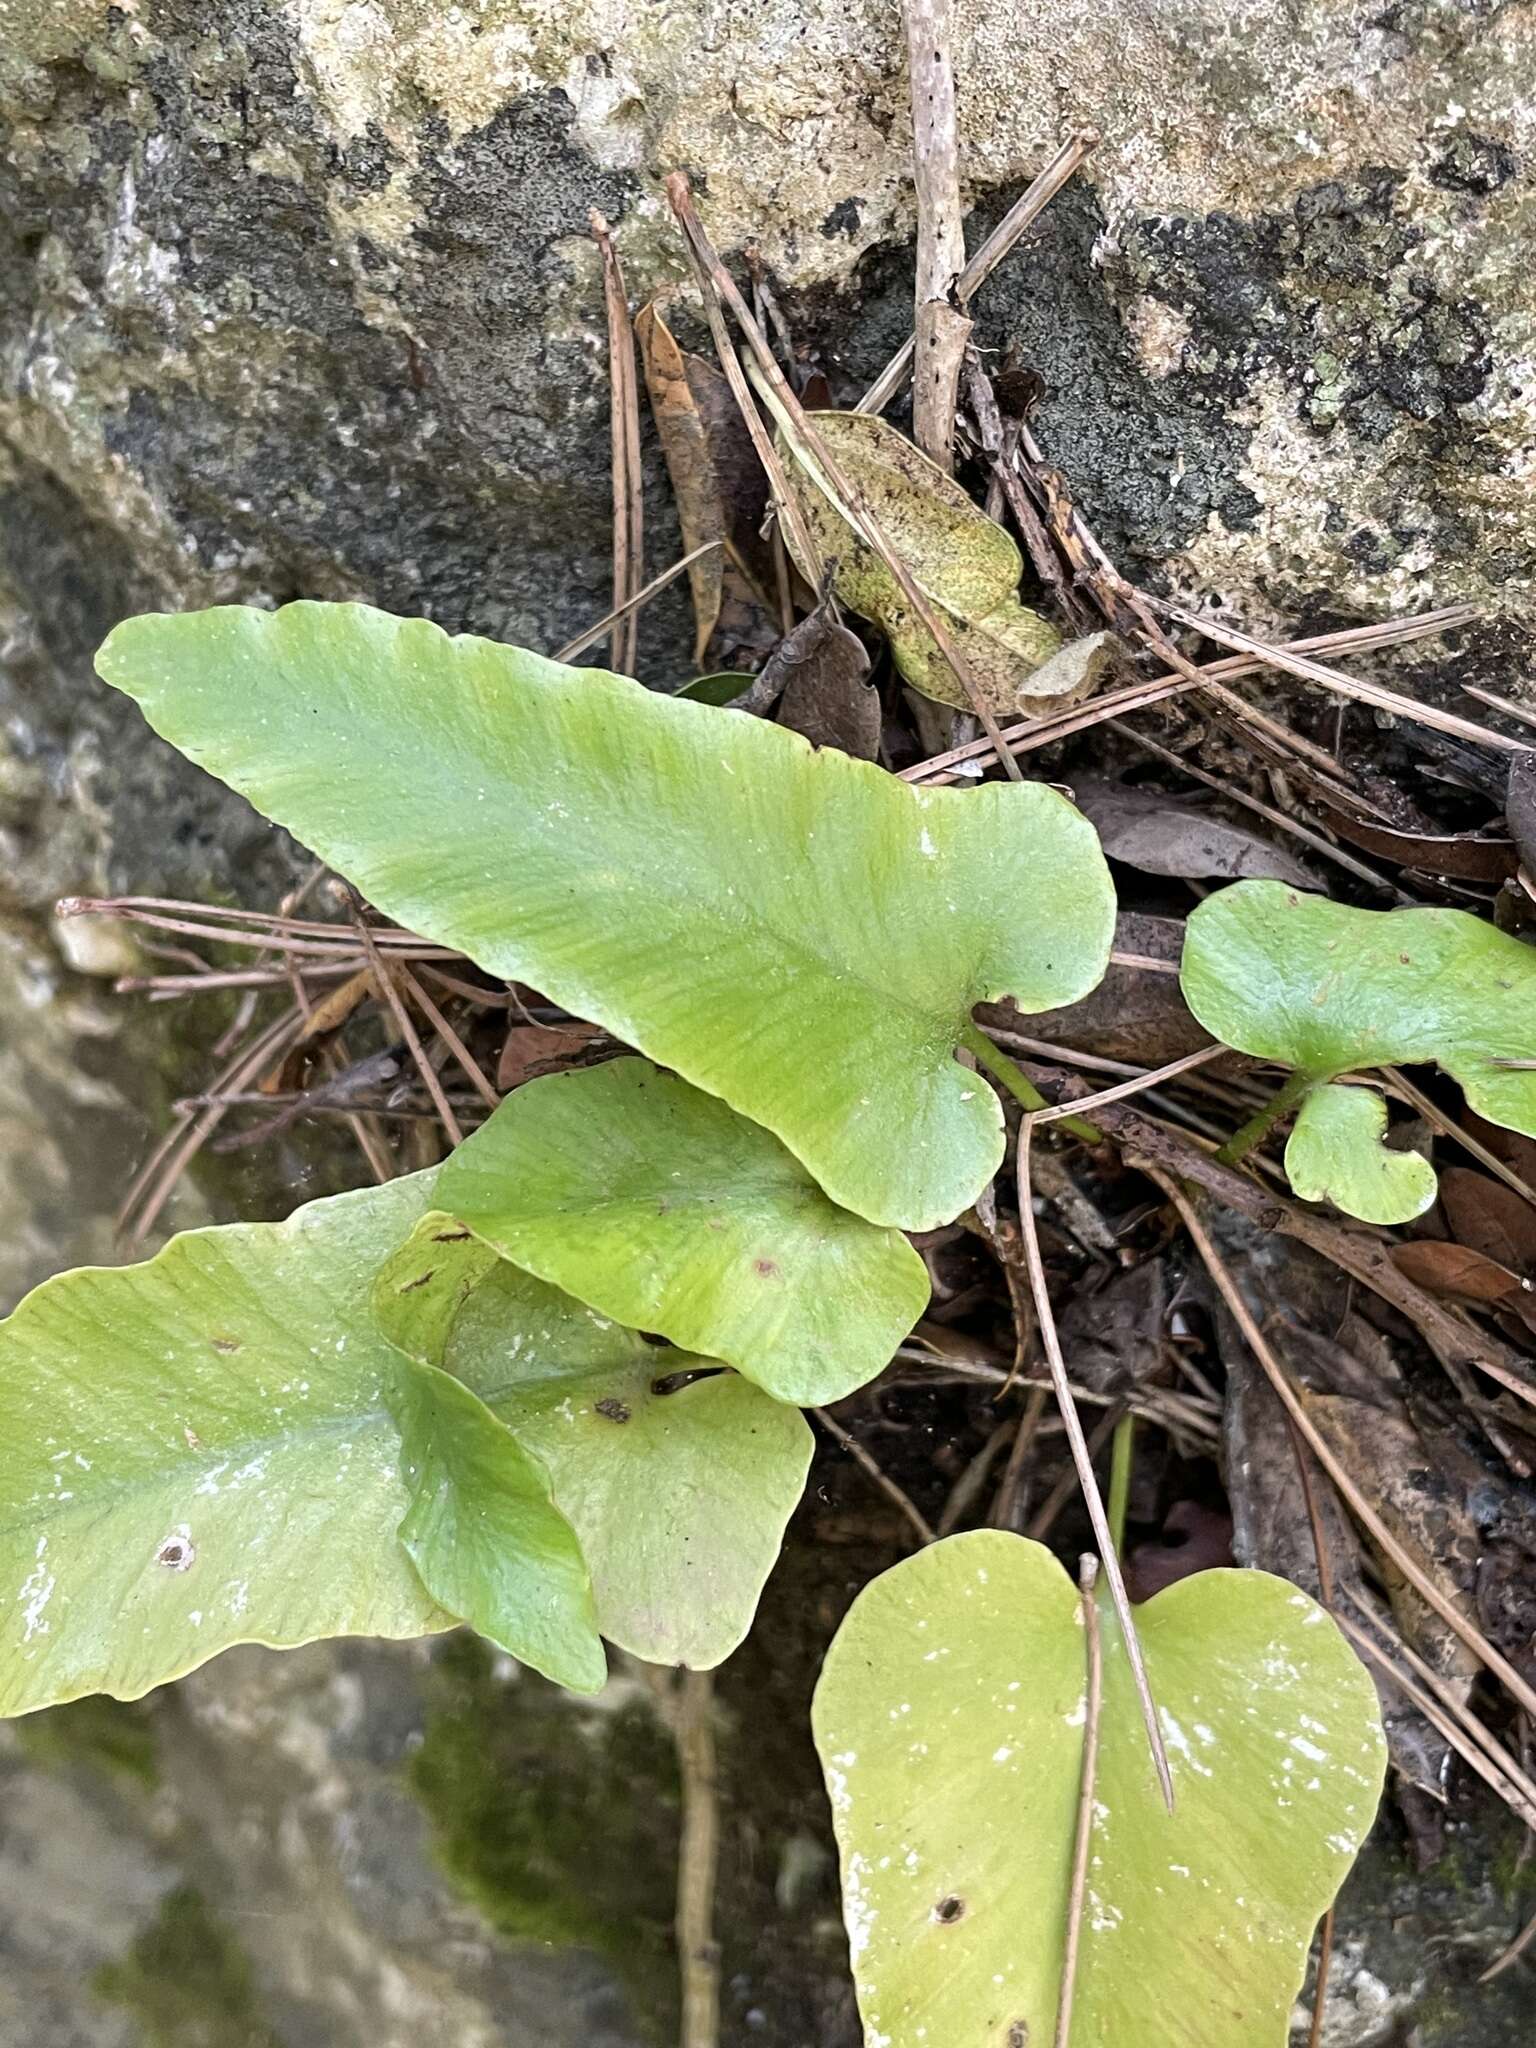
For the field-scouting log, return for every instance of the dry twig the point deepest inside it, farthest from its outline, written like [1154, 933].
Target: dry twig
[628, 490]
[941, 329]
[1093, 1697]
[1083, 1461]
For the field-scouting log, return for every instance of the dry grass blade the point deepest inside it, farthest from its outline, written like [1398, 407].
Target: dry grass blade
[1436, 1713]
[1510, 709]
[624, 414]
[1449, 1704]
[1040, 732]
[468, 1065]
[1291, 663]
[152, 1185]
[1359, 1506]
[717, 289]
[1363, 1255]
[384, 981]
[1082, 1842]
[595, 632]
[1088, 1103]
[813, 451]
[1022, 214]
[920, 1524]
[1083, 1461]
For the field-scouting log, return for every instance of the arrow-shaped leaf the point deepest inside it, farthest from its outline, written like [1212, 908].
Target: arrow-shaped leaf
[796, 932]
[950, 1720]
[662, 1208]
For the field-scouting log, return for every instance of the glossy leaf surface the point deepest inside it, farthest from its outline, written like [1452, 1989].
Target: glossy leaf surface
[794, 931]
[950, 1719]
[659, 1206]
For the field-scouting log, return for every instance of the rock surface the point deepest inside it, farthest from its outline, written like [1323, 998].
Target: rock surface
[297, 299]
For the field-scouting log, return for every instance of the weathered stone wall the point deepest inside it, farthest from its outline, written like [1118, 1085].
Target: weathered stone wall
[297, 299]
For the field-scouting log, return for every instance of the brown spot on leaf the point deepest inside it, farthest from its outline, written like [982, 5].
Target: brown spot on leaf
[949, 1910]
[226, 1344]
[1018, 2034]
[767, 1267]
[421, 1280]
[176, 1553]
[614, 1409]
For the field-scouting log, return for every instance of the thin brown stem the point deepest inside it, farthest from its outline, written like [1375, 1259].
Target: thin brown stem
[643, 596]
[469, 1066]
[1045, 1317]
[1039, 732]
[385, 983]
[919, 1522]
[1025, 210]
[941, 329]
[1083, 1838]
[698, 1856]
[1359, 1506]
[1121, 1089]
[624, 415]
[1350, 687]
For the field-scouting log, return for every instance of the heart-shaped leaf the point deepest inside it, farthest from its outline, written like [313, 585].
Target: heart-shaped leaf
[659, 1206]
[950, 1719]
[956, 555]
[1325, 988]
[678, 1493]
[797, 932]
[485, 1535]
[1335, 1154]
[199, 1452]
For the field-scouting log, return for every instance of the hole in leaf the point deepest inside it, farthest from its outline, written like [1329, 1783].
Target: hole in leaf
[674, 1382]
[175, 1553]
[949, 1910]
[226, 1344]
[1018, 2034]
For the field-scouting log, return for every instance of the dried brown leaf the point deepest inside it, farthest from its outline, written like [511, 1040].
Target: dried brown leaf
[1465, 1275]
[1489, 1217]
[717, 480]
[962, 561]
[531, 1049]
[1135, 1013]
[820, 674]
[1148, 830]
